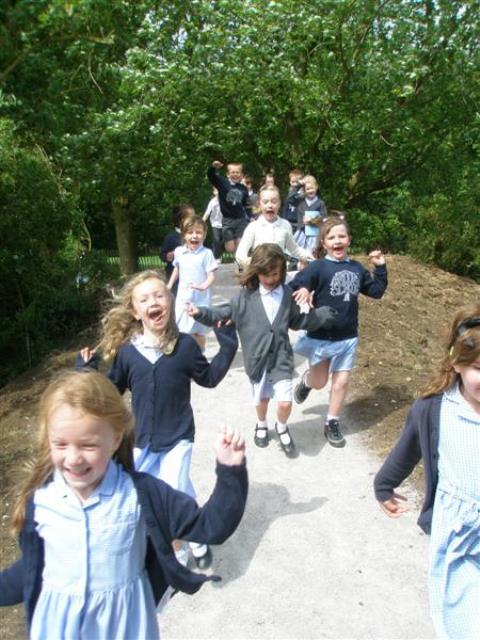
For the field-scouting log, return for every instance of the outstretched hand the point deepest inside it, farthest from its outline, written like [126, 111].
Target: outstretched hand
[87, 353]
[395, 506]
[303, 296]
[191, 309]
[216, 164]
[230, 447]
[376, 257]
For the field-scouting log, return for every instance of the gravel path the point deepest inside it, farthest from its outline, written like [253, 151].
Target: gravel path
[314, 557]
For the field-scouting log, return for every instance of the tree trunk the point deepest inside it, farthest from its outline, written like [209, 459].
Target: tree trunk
[123, 233]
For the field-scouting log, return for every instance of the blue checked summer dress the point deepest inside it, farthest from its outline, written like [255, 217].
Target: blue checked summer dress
[94, 582]
[454, 577]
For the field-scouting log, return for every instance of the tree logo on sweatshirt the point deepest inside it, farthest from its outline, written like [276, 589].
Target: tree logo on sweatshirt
[346, 284]
[234, 196]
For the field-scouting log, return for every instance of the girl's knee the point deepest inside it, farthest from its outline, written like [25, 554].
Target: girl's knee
[284, 405]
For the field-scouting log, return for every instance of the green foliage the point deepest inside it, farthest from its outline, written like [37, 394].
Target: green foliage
[38, 258]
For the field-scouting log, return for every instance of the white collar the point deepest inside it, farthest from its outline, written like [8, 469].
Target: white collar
[273, 292]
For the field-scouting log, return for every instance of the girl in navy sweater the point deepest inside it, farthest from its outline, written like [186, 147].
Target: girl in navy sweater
[95, 535]
[336, 281]
[443, 430]
[156, 363]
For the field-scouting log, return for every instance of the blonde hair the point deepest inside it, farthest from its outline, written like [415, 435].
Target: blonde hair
[119, 323]
[91, 393]
[189, 222]
[311, 179]
[462, 347]
[270, 187]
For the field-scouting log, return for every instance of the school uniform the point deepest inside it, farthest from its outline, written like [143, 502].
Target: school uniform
[193, 266]
[307, 235]
[444, 431]
[109, 586]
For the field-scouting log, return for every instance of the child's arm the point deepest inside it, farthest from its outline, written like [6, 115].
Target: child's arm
[295, 250]
[11, 584]
[395, 506]
[209, 374]
[173, 278]
[399, 465]
[313, 320]
[210, 316]
[220, 515]
[246, 243]
[374, 284]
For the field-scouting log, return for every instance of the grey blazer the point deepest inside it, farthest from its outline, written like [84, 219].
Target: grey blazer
[266, 346]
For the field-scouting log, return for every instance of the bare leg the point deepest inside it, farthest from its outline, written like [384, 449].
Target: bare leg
[262, 408]
[284, 409]
[317, 377]
[338, 392]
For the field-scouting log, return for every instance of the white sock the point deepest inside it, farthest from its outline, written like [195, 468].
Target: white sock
[282, 432]
[198, 550]
[329, 417]
[304, 379]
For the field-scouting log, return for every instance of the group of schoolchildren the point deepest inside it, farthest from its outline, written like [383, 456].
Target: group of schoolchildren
[107, 509]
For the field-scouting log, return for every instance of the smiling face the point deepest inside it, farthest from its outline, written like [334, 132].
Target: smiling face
[235, 172]
[310, 189]
[336, 242]
[81, 446]
[470, 382]
[272, 279]
[194, 237]
[269, 203]
[151, 304]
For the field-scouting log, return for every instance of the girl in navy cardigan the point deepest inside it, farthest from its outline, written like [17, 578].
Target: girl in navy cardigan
[157, 364]
[96, 536]
[443, 430]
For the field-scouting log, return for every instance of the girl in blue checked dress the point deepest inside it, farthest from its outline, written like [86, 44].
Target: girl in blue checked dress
[443, 430]
[95, 535]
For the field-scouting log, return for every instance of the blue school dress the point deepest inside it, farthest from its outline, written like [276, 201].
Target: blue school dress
[454, 577]
[94, 581]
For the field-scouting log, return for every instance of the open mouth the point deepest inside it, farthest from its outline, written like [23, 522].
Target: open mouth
[156, 315]
[78, 474]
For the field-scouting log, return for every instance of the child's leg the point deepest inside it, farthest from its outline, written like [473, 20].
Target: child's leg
[261, 428]
[317, 376]
[338, 392]
[283, 396]
[284, 409]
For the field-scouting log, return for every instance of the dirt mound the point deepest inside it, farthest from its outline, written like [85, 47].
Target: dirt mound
[400, 341]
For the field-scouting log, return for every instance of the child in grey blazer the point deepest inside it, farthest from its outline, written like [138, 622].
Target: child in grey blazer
[263, 311]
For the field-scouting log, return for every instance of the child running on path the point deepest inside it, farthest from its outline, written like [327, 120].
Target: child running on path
[173, 239]
[263, 311]
[443, 430]
[157, 364]
[269, 228]
[194, 268]
[95, 535]
[335, 280]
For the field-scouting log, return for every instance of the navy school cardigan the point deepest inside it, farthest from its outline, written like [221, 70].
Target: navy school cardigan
[418, 441]
[169, 515]
[161, 391]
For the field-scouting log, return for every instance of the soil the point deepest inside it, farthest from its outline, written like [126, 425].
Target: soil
[401, 338]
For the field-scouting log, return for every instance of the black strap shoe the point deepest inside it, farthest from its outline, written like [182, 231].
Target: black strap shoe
[261, 441]
[286, 442]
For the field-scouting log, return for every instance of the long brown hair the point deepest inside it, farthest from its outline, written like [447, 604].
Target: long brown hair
[327, 226]
[119, 323]
[265, 258]
[91, 393]
[462, 347]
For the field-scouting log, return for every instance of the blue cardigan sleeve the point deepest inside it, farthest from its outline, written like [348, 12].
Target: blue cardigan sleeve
[209, 374]
[11, 584]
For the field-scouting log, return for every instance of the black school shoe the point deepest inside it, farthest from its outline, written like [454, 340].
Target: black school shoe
[288, 447]
[261, 442]
[301, 391]
[205, 561]
[333, 434]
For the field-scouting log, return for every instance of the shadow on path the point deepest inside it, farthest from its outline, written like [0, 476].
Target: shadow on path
[266, 503]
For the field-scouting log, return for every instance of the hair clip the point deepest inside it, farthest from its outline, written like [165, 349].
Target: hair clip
[468, 323]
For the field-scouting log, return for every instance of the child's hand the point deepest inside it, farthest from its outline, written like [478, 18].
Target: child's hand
[216, 164]
[376, 257]
[191, 309]
[303, 296]
[170, 256]
[395, 506]
[87, 353]
[230, 447]
[198, 287]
